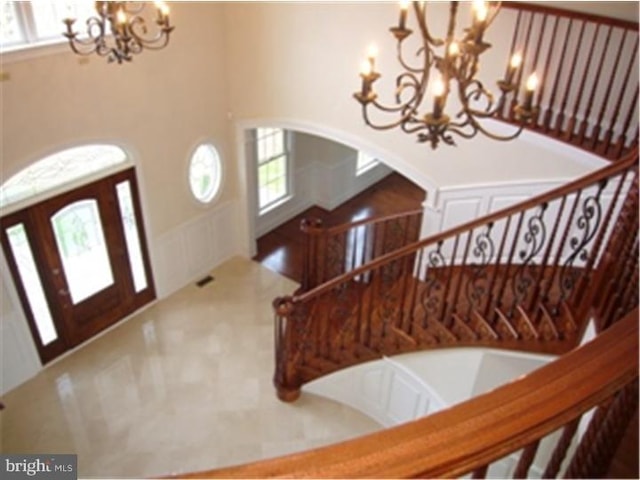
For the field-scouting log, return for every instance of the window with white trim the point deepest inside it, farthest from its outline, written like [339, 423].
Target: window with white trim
[273, 167]
[39, 21]
[365, 162]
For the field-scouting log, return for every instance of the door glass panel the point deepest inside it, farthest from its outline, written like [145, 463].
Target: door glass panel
[132, 238]
[82, 248]
[23, 256]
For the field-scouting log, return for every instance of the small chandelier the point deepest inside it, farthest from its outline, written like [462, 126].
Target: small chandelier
[453, 68]
[120, 31]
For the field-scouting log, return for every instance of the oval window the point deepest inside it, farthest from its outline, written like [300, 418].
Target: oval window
[204, 173]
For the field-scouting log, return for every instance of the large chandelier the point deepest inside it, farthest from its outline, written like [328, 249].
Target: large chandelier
[120, 30]
[445, 66]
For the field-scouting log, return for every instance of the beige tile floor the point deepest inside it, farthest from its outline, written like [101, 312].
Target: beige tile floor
[185, 385]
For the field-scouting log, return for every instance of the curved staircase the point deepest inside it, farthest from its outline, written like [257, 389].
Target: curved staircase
[527, 278]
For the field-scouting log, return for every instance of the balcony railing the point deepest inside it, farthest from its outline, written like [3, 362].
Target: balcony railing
[589, 96]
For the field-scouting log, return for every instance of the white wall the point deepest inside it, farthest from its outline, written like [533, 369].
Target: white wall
[398, 389]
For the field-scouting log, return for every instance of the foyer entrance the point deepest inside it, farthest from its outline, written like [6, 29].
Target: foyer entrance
[79, 261]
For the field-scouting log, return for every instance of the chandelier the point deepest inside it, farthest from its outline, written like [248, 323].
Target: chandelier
[120, 30]
[445, 66]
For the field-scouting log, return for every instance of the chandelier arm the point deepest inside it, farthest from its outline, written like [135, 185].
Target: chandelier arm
[457, 128]
[402, 109]
[74, 43]
[380, 127]
[403, 62]
[459, 63]
[92, 24]
[159, 41]
[164, 36]
[413, 129]
[479, 92]
[405, 81]
[421, 16]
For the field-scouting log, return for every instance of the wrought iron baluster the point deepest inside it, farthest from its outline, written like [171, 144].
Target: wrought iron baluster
[534, 239]
[477, 287]
[587, 224]
[431, 298]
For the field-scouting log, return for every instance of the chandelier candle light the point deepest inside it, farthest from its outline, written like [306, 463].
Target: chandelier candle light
[446, 64]
[120, 31]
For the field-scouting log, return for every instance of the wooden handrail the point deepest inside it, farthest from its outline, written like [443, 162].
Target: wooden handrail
[585, 118]
[479, 431]
[563, 12]
[583, 182]
[332, 251]
[315, 225]
[525, 278]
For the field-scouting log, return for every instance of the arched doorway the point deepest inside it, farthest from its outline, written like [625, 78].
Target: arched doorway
[78, 258]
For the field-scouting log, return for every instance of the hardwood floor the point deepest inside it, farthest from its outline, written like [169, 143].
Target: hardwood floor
[281, 249]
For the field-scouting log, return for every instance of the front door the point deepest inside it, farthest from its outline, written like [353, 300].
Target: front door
[88, 264]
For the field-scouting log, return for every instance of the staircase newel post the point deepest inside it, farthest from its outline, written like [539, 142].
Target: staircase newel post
[285, 377]
[313, 256]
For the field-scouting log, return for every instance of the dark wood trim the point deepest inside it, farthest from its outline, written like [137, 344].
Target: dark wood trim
[103, 309]
[57, 347]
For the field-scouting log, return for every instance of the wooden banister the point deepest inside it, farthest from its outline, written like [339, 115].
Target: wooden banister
[524, 278]
[623, 165]
[563, 12]
[576, 101]
[332, 251]
[471, 435]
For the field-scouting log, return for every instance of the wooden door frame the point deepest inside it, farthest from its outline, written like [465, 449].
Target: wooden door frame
[33, 220]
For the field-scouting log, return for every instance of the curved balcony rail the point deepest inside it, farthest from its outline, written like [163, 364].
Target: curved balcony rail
[589, 63]
[601, 377]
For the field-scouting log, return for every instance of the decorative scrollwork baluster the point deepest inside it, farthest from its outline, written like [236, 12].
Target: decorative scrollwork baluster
[534, 239]
[431, 295]
[484, 249]
[587, 225]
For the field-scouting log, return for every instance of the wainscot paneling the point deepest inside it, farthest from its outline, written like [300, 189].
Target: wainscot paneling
[383, 390]
[190, 251]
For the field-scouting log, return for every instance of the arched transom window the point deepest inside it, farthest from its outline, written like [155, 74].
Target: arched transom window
[59, 169]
